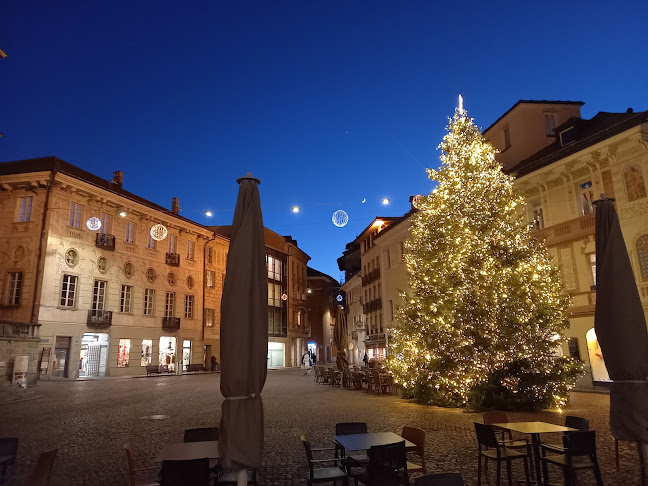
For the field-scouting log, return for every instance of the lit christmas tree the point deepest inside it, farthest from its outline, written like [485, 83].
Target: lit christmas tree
[486, 313]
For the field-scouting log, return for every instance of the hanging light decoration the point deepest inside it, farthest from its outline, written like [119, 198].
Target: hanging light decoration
[340, 218]
[93, 223]
[159, 232]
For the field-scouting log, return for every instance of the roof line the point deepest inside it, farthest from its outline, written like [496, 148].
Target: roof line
[534, 102]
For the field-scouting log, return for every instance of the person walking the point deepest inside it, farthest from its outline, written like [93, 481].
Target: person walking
[306, 363]
[366, 359]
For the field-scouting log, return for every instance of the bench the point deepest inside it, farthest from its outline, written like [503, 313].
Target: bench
[157, 370]
[195, 368]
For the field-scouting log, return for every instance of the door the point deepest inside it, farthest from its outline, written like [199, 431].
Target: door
[61, 353]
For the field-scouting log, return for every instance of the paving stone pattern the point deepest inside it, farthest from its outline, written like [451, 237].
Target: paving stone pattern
[89, 421]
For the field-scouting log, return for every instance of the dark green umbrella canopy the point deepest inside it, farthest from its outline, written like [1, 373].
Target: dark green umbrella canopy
[620, 326]
[340, 339]
[244, 334]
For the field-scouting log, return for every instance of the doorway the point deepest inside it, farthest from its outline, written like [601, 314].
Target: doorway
[61, 353]
[94, 354]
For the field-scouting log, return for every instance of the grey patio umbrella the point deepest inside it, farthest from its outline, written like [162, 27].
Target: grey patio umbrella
[340, 339]
[620, 327]
[244, 335]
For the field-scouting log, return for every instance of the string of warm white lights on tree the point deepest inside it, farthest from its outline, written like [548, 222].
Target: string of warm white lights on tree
[486, 311]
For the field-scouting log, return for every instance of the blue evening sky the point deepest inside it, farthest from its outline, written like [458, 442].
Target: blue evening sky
[327, 102]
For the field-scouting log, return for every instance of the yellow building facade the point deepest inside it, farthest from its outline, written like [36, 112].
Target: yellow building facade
[572, 162]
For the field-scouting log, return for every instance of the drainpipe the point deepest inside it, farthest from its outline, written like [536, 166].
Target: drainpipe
[43, 239]
[204, 286]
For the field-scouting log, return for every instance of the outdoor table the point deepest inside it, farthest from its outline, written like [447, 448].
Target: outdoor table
[535, 429]
[363, 442]
[185, 451]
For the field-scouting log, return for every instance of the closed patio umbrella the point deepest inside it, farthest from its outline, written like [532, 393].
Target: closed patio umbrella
[244, 336]
[620, 327]
[340, 339]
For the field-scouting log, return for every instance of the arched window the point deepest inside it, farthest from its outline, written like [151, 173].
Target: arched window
[634, 183]
[642, 254]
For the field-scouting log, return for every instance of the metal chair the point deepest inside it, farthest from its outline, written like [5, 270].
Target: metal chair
[181, 473]
[323, 474]
[348, 428]
[202, 434]
[8, 448]
[571, 421]
[387, 466]
[443, 479]
[580, 453]
[134, 472]
[493, 450]
[416, 436]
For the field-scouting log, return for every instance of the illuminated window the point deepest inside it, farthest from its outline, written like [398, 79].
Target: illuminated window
[147, 351]
[189, 306]
[210, 317]
[123, 355]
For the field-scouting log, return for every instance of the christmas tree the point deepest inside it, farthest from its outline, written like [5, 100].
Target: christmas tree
[486, 312]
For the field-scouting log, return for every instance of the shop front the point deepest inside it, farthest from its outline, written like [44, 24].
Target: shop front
[276, 353]
[93, 357]
[375, 346]
[168, 352]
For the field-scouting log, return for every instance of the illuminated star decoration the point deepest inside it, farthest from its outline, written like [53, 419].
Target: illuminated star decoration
[340, 218]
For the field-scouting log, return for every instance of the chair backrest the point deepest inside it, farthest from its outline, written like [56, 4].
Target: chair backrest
[42, 471]
[581, 443]
[579, 423]
[443, 479]
[9, 446]
[417, 436]
[348, 428]
[495, 418]
[486, 435]
[387, 461]
[181, 473]
[201, 434]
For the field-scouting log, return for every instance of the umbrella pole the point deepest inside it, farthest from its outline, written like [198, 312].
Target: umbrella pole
[642, 449]
[242, 477]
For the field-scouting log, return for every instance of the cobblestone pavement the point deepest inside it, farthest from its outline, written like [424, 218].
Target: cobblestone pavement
[90, 420]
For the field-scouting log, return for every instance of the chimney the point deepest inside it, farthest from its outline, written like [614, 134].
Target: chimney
[118, 178]
[175, 205]
[630, 110]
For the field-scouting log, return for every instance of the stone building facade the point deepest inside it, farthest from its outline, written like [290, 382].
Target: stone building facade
[563, 163]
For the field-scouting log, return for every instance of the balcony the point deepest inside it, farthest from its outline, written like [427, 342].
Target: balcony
[374, 305]
[19, 331]
[105, 241]
[99, 318]
[567, 231]
[170, 323]
[173, 259]
[371, 277]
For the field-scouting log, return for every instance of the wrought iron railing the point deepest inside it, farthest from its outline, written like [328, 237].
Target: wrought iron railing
[105, 241]
[171, 323]
[99, 318]
[173, 259]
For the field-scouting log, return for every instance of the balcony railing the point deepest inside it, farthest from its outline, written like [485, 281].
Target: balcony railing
[173, 259]
[19, 331]
[105, 241]
[374, 305]
[371, 276]
[171, 323]
[99, 318]
[567, 231]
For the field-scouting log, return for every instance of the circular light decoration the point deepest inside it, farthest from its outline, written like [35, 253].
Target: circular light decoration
[339, 298]
[284, 296]
[159, 232]
[417, 201]
[208, 213]
[93, 223]
[386, 201]
[295, 209]
[340, 218]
